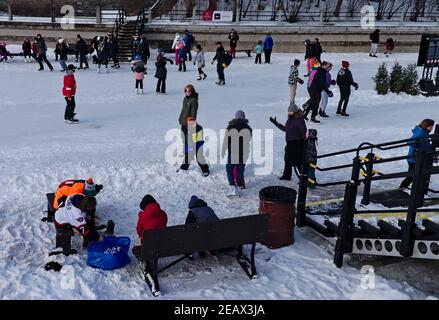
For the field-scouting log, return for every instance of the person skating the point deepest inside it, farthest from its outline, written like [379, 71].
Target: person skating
[83, 51]
[325, 97]
[312, 157]
[374, 42]
[220, 59]
[193, 141]
[62, 49]
[27, 50]
[236, 143]
[310, 55]
[234, 38]
[259, 49]
[268, 48]
[174, 47]
[143, 50]
[390, 46]
[318, 50]
[293, 79]
[188, 40]
[295, 135]
[182, 55]
[316, 84]
[73, 186]
[422, 130]
[200, 62]
[42, 51]
[69, 92]
[114, 51]
[104, 50]
[161, 72]
[344, 82]
[4, 53]
[139, 70]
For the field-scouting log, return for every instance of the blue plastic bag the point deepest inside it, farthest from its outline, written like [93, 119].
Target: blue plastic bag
[112, 253]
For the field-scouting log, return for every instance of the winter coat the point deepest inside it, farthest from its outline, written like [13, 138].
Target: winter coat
[27, 48]
[236, 126]
[104, 51]
[143, 49]
[199, 211]
[151, 217]
[293, 77]
[318, 82]
[233, 37]
[138, 68]
[187, 39]
[196, 139]
[62, 49]
[390, 44]
[294, 128]
[189, 108]
[66, 188]
[199, 59]
[71, 215]
[318, 50]
[220, 55]
[82, 47]
[328, 78]
[422, 145]
[310, 51]
[259, 49]
[312, 146]
[161, 71]
[69, 88]
[182, 53]
[176, 41]
[268, 43]
[344, 78]
[375, 37]
[34, 48]
[41, 46]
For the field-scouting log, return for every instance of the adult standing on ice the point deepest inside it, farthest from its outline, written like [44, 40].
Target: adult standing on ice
[233, 37]
[375, 41]
[295, 136]
[161, 72]
[344, 82]
[220, 58]
[268, 47]
[42, 51]
[69, 92]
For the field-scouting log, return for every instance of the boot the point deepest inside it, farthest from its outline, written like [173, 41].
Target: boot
[313, 119]
[141, 91]
[199, 78]
[344, 114]
[204, 76]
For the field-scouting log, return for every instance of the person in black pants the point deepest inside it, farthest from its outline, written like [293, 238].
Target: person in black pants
[82, 49]
[161, 72]
[220, 59]
[42, 49]
[345, 81]
[316, 85]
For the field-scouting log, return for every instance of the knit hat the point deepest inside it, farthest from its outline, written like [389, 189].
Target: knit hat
[240, 115]
[90, 188]
[71, 67]
[345, 64]
[293, 107]
[296, 62]
[148, 199]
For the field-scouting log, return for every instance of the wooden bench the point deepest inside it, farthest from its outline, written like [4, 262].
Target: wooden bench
[200, 237]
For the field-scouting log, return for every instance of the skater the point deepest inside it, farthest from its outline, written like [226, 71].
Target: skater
[192, 136]
[188, 40]
[27, 50]
[72, 186]
[344, 82]
[374, 42]
[56, 51]
[325, 97]
[234, 38]
[151, 217]
[161, 72]
[83, 50]
[62, 49]
[42, 50]
[4, 53]
[114, 51]
[259, 49]
[310, 55]
[35, 50]
[293, 79]
[390, 45]
[190, 106]
[318, 50]
[104, 49]
[268, 48]
[139, 71]
[182, 55]
[200, 62]
[295, 135]
[143, 50]
[422, 130]
[174, 47]
[69, 91]
[237, 144]
[220, 59]
[316, 84]
[312, 157]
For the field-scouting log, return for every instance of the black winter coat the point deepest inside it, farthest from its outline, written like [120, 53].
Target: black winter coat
[161, 71]
[220, 55]
[199, 211]
[319, 82]
[294, 128]
[310, 51]
[375, 37]
[82, 47]
[143, 49]
[344, 78]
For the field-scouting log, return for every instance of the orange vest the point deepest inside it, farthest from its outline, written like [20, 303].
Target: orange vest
[67, 188]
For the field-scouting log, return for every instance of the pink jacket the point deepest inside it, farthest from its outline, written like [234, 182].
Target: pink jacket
[139, 75]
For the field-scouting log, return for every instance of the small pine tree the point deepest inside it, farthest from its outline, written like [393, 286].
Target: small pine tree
[410, 76]
[382, 80]
[396, 79]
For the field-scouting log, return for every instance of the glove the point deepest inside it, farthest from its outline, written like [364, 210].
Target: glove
[356, 86]
[273, 120]
[211, 62]
[99, 187]
[300, 81]
[333, 82]
[330, 94]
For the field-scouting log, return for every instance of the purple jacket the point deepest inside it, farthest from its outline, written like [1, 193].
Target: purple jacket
[295, 129]
[328, 79]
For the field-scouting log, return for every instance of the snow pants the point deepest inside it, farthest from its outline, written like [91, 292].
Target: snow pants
[235, 174]
[309, 63]
[258, 58]
[345, 93]
[70, 108]
[41, 58]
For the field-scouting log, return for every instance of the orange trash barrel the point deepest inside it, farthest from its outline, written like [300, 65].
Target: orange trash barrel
[279, 202]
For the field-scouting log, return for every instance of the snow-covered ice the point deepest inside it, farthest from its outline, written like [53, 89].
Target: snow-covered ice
[120, 142]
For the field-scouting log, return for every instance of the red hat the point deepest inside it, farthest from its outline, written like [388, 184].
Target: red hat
[345, 64]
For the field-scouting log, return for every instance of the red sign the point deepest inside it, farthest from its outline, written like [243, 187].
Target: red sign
[207, 15]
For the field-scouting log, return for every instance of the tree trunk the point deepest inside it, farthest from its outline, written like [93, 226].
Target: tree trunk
[338, 8]
[213, 5]
[189, 8]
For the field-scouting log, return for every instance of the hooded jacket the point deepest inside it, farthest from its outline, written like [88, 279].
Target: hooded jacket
[199, 211]
[189, 108]
[294, 128]
[151, 217]
[238, 150]
[422, 145]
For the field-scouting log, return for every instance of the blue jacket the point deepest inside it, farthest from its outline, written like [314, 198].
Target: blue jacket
[268, 42]
[418, 132]
[199, 211]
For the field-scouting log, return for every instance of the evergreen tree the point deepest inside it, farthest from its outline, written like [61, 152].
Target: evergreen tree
[410, 76]
[382, 80]
[396, 79]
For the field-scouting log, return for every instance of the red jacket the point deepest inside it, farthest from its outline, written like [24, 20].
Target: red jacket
[69, 89]
[152, 217]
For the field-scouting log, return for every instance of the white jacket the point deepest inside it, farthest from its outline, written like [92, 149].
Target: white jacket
[69, 214]
[176, 40]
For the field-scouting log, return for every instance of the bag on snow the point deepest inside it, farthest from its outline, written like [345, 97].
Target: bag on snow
[112, 253]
